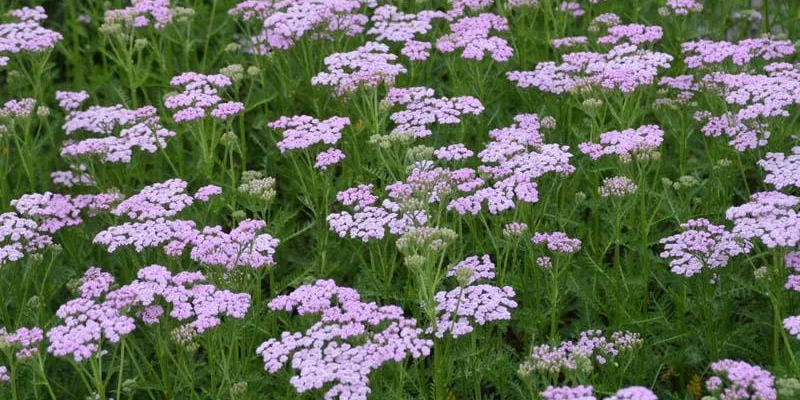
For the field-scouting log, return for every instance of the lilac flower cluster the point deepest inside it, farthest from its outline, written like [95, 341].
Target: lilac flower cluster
[303, 131]
[702, 245]
[738, 380]
[244, 245]
[625, 68]
[782, 170]
[22, 108]
[284, 22]
[512, 162]
[351, 339]
[71, 101]
[568, 393]
[580, 355]
[683, 7]
[704, 53]
[571, 8]
[55, 211]
[514, 229]
[473, 36]
[77, 175]
[27, 35]
[557, 242]
[4, 376]
[634, 393]
[142, 14]
[370, 221]
[392, 25]
[201, 94]
[26, 340]
[18, 237]
[459, 309]
[121, 130]
[423, 109]
[453, 152]
[570, 41]
[617, 186]
[755, 99]
[367, 66]
[771, 217]
[629, 144]
[164, 199]
[101, 314]
[635, 34]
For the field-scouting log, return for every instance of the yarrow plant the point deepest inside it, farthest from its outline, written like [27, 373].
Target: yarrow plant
[329, 351]
[26, 35]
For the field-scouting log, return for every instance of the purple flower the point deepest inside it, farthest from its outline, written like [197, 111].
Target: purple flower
[592, 347]
[328, 157]
[557, 242]
[459, 309]
[628, 144]
[200, 94]
[351, 339]
[782, 170]
[423, 109]
[617, 186]
[18, 237]
[302, 131]
[634, 34]
[71, 101]
[702, 245]
[568, 393]
[56, 211]
[27, 339]
[165, 199]
[121, 131]
[205, 193]
[771, 217]
[367, 66]
[27, 35]
[472, 35]
[738, 380]
[701, 53]
[243, 246]
[633, 393]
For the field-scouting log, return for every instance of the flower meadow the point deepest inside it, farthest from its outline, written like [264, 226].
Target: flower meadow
[375, 199]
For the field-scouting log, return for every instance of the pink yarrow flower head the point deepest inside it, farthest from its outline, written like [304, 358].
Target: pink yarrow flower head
[635, 34]
[367, 66]
[201, 97]
[171, 235]
[558, 242]
[593, 348]
[18, 237]
[700, 246]
[27, 35]
[572, 8]
[392, 25]
[570, 41]
[512, 162]
[102, 314]
[514, 229]
[26, 340]
[371, 222]
[634, 393]
[473, 36]
[617, 186]
[625, 68]
[143, 14]
[738, 380]
[423, 109]
[460, 309]
[351, 339]
[120, 130]
[165, 199]
[244, 246]
[55, 211]
[328, 158]
[283, 23]
[782, 171]
[18, 108]
[568, 393]
[771, 217]
[683, 7]
[453, 152]
[71, 101]
[358, 197]
[629, 144]
[302, 131]
[4, 376]
[704, 53]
